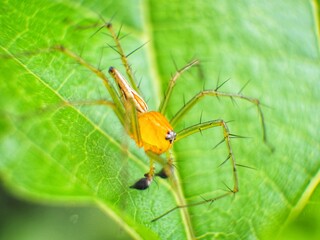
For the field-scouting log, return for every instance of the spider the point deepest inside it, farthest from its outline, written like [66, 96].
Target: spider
[151, 130]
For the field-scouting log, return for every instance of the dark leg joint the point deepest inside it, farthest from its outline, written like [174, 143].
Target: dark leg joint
[166, 171]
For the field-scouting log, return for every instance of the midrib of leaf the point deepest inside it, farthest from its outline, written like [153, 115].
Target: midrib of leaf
[151, 51]
[316, 16]
[302, 201]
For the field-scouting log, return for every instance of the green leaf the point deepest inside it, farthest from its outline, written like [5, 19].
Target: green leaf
[54, 154]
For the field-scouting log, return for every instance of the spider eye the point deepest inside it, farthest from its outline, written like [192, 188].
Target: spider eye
[171, 136]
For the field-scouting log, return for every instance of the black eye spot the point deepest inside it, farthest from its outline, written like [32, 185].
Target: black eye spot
[171, 136]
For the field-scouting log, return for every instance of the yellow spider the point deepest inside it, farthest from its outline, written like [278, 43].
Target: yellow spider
[151, 129]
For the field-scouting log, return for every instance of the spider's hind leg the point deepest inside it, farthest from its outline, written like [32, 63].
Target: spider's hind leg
[168, 168]
[144, 183]
[227, 139]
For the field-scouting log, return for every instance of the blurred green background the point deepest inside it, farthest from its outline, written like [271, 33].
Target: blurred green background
[27, 220]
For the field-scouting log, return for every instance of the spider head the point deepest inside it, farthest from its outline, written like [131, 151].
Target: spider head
[171, 136]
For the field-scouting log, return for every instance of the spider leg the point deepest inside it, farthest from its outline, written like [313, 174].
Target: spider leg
[144, 183]
[119, 50]
[133, 103]
[168, 167]
[211, 200]
[215, 93]
[119, 107]
[227, 137]
[53, 107]
[172, 82]
[89, 103]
